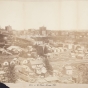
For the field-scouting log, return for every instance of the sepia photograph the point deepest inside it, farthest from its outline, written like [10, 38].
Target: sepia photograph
[44, 43]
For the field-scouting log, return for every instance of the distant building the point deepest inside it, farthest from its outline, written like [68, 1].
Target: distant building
[43, 31]
[8, 28]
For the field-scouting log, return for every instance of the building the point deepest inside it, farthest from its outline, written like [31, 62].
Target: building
[8, 28]
[43, 31]
[3, 37]
[68, 70]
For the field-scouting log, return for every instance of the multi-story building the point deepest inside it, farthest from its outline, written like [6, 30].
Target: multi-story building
[8, 28]
[43, 31]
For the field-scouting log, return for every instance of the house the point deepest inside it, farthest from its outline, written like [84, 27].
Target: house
[68, 70]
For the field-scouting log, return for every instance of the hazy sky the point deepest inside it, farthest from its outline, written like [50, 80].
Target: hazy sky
[54, 14]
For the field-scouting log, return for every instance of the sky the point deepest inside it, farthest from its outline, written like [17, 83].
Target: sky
[53, 14]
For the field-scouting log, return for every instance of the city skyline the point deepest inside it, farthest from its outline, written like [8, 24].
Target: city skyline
[54, 15]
